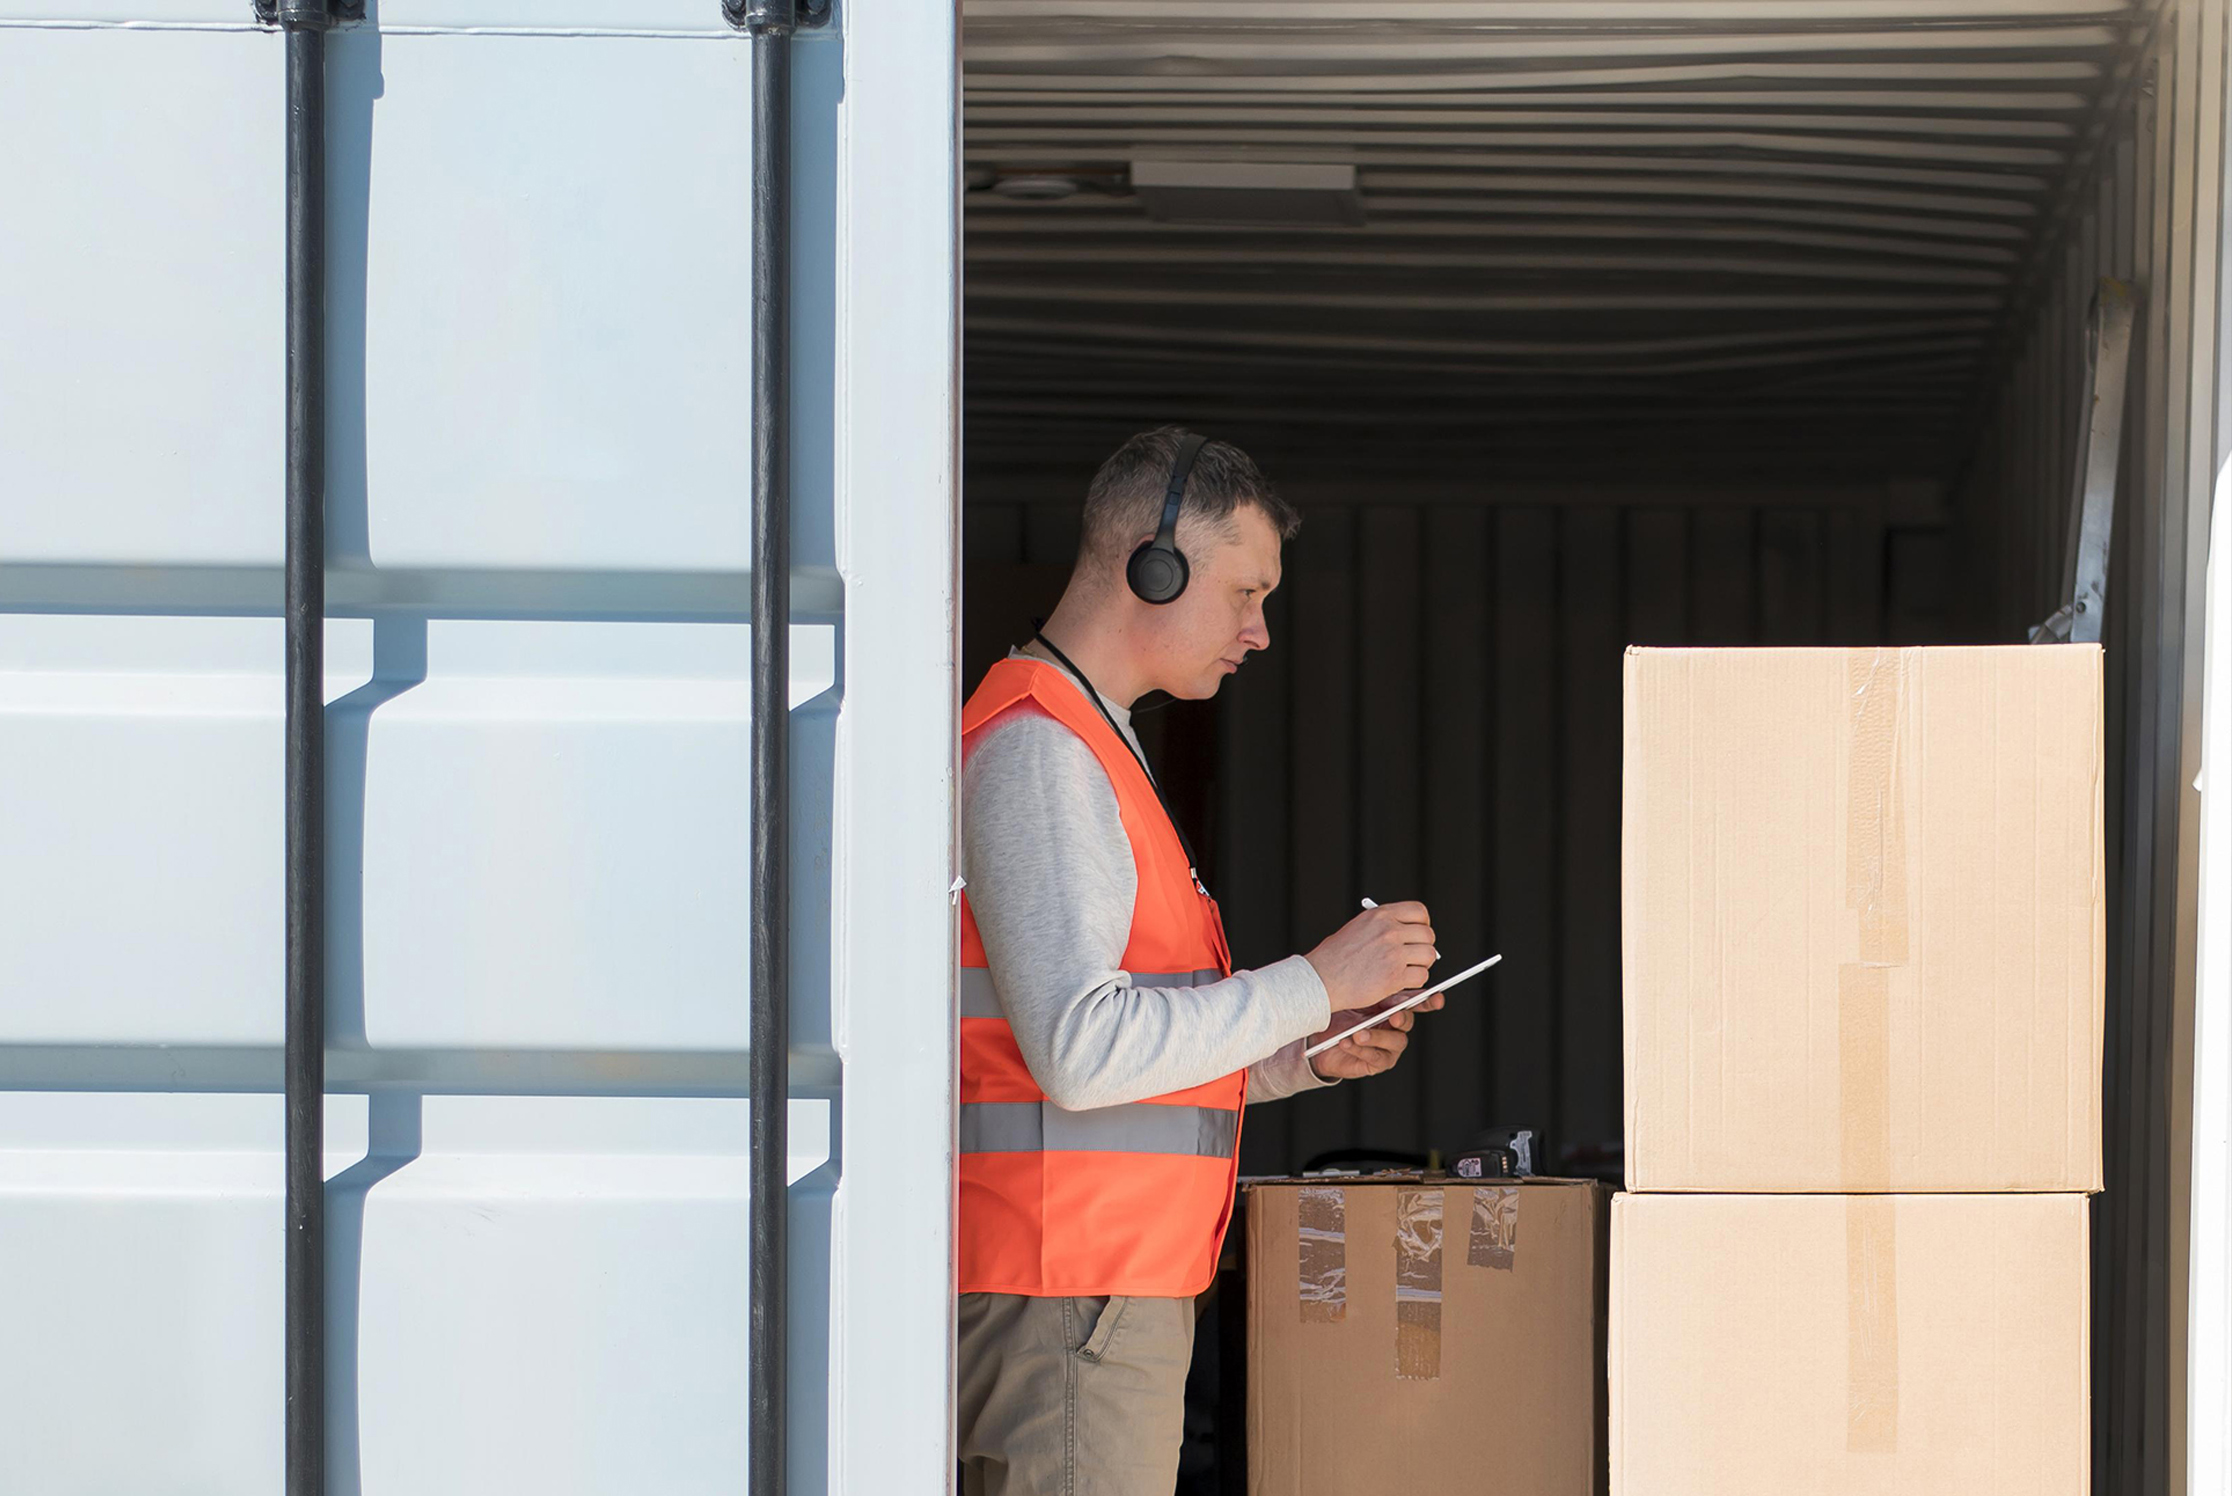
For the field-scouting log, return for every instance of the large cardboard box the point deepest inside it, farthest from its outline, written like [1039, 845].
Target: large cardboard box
[1863, 919]
[1923, 1345]
[1425, 1335]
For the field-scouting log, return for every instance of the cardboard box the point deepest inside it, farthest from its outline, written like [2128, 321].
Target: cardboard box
[1864, 919]
[1928, 1345]
[1429, 1336]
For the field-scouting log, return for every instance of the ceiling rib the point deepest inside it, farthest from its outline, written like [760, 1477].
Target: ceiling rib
[1761, 236]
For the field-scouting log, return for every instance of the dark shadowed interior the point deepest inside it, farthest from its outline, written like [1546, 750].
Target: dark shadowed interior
[1730, 322]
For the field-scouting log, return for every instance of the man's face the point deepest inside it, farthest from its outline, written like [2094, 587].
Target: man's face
[1195, 642]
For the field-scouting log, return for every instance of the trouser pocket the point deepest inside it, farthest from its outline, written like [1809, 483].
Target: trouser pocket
[1097, 1321]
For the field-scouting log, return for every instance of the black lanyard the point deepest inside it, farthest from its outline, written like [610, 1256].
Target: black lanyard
[1193, 868]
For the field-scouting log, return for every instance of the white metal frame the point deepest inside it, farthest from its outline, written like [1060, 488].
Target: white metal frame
[2209, 1305]
[898, 494]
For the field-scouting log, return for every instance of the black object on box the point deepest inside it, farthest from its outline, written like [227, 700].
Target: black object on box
[1501, 1153]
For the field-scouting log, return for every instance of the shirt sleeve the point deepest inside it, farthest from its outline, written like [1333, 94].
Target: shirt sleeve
[1051, 886]
[1285, 1074]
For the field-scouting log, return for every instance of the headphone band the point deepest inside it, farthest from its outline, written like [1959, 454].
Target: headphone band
[1166, 533]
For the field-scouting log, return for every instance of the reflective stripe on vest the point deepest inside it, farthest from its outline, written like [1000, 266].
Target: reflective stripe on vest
[1141, 1127]
[980, 1000]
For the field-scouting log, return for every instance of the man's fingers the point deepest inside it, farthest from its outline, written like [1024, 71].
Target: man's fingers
[1369, 1053]
[1412, 926]
[1386, 1036]
[1376, 1049]
[1377, 1057]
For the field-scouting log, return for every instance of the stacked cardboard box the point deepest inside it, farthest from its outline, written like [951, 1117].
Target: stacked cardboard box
[1425, 1334]
[1863, 942]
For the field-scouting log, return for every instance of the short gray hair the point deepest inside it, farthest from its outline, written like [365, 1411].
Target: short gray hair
[1126, 497]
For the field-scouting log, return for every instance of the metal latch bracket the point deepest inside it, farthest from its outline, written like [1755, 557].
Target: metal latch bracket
[2092, 499]
[316, 15]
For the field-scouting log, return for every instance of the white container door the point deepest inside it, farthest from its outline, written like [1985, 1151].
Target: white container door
[537, 805]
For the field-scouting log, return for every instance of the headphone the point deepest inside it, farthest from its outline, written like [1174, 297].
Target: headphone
[1158, 571]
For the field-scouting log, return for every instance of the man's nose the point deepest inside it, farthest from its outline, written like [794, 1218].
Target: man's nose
[1257, 634]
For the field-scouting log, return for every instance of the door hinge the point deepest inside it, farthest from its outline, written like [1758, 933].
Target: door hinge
[776, 17]
[301, 15]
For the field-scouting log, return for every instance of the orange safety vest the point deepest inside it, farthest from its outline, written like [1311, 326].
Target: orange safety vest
[1130, 1199]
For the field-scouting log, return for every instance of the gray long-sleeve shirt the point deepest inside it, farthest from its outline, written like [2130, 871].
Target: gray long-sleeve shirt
[1051, 883]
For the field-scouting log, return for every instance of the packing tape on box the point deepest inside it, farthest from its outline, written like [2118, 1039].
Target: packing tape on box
[1321, 1219]
[1494, 1240]
[1871, 1241]
[1871, 1324]
[1418, 1283]
[1864, 1078]
[1875, 811]
[1876, 891]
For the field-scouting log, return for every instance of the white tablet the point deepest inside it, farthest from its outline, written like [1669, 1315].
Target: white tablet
[1409, 1002]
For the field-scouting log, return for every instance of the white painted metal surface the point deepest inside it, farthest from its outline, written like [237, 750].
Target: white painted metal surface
[897, 382]
[2209, 1305]
[537, 747]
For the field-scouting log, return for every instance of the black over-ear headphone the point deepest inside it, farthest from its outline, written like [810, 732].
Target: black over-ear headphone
[1158, 571]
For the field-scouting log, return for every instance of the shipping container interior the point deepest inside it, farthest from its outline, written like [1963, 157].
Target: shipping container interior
[1718, 322]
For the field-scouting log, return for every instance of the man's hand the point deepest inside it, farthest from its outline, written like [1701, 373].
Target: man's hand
[1380, 953]
[1371, 1051]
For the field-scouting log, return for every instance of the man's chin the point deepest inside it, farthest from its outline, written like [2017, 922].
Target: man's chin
[1199, 690]
[1202, 687]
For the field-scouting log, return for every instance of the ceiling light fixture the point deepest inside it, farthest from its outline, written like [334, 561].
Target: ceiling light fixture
[1042, 187]
[1291, 193]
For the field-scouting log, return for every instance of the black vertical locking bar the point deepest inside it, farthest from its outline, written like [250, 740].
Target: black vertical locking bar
[304, 23]
[770, 26]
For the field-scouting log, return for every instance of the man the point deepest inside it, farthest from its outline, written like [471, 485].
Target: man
[1107, 1046]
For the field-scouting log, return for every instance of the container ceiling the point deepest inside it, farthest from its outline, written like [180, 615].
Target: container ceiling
[1630, 238]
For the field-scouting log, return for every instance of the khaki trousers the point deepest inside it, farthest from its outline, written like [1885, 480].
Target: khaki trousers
[1071, 1397]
